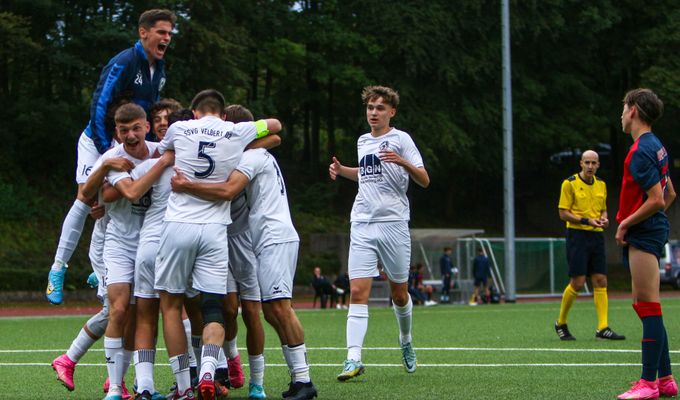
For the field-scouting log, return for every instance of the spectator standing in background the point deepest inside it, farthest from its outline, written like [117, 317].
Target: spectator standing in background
[480, 272]
[446, 268]
[322, 288]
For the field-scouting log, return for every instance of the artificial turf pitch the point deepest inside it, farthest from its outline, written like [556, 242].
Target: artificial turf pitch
[505, 351]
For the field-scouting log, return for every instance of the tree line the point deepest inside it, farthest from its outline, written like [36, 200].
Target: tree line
[305, 62]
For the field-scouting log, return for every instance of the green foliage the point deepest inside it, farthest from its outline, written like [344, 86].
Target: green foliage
[305, 62]
[27, 252]
[17, 202]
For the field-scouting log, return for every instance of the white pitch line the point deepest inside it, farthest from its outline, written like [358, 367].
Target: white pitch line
[494, 349]
[497, 365]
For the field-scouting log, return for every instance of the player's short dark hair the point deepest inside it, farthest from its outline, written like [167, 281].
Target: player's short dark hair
[447, 248]
[164, 104]
[128, 113]
[648, 104]
[237, 113]
[149, 18]
[180, 115]
[389, 95]
[209, 100]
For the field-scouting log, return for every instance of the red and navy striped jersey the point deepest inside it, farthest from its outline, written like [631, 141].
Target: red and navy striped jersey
[646, 165]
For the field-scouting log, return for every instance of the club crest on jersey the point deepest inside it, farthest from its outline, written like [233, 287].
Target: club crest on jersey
[161, 84]
[138, 78]
[384, 145]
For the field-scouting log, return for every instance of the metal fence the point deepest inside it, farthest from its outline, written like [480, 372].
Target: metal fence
[541, 264]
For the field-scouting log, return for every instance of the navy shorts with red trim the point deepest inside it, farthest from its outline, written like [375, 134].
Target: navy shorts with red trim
[649, 236]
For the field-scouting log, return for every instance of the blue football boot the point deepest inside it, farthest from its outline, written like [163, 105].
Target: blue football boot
[55, 285]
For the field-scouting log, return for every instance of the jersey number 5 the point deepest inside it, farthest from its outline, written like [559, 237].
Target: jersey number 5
[211, 162]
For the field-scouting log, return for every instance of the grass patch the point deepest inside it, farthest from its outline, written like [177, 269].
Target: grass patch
[484, 352]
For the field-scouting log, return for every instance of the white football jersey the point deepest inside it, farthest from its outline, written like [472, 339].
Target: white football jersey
[269, 220]
[382, 186]
[126, 217]
[206, 150]
[160, 191]
[239, 214]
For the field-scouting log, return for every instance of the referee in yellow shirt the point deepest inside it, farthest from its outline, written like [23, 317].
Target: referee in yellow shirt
[583, 206]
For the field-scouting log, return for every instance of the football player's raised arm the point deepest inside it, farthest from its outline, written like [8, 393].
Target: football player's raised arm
[134, 190]
[210, 191]
[264, 127]
[418, 174]
[109, 193]
[273, 125]
[96, 178]
[336, 169]
[268, 142]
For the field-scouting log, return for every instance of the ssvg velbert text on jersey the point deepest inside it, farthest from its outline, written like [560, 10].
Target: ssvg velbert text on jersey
[207, 131]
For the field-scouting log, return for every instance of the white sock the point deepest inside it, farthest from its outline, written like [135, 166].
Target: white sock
[222, 360]
[404, 319]
[187, 332]
[230, 348]
[357, 325]
[70, 233]
[113, 349]
[80, 345]
[209, 360]
[256, 364]
[298, 357]
[180, 367]
[127, 358]
[196, 344]
[286, 355]
[144, 361]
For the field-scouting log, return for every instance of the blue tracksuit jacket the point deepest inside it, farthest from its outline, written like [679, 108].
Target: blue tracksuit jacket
[126, 75]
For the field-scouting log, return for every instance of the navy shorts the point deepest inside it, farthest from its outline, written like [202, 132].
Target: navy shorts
[480, 281]
[649, 236]
[585, 253]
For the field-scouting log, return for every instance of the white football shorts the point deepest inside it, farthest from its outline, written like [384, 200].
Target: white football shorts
[87, 157]
[198, 252]
[276, 266]
[145, 269]
[243, 267]
[387, 242]
[119, 261]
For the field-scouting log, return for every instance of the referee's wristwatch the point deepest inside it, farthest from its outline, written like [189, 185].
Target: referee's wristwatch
[585, 221]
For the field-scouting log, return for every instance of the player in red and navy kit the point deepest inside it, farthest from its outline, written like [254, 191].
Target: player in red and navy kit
[646, 192]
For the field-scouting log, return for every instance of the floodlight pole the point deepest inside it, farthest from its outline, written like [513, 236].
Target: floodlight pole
[508, 173]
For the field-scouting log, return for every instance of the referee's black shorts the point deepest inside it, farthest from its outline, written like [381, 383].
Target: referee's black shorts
[585, 253]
